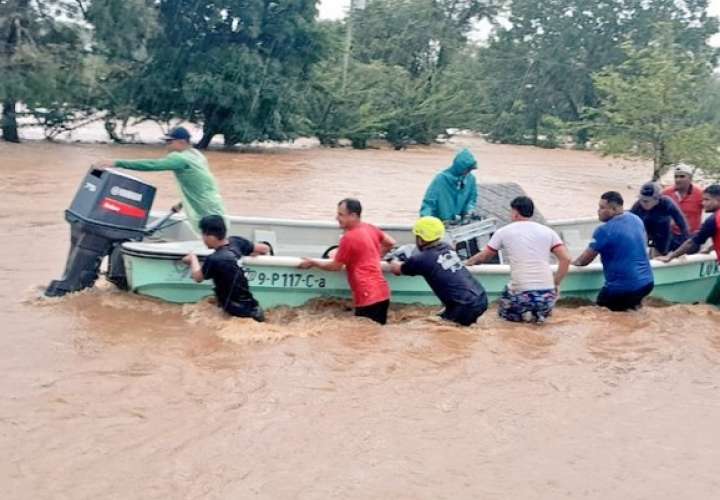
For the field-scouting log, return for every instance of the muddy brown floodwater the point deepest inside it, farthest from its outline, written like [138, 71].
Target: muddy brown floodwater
[108, 395]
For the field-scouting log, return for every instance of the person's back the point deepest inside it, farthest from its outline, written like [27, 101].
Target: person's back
[463, 297]
[533, 289]
[621, 243]
[527, 246]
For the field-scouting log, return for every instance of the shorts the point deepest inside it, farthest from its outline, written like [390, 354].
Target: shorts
[245, 309]
[376, 312]
[624, 301]
[532, 306]
[465, 314]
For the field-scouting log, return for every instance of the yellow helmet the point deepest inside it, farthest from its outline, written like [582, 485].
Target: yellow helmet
[429, 229]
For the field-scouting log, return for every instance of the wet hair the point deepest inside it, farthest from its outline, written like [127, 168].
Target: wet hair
[213, 225]
[523, 205]
[613, 198]
[713, 190]
[353, 206]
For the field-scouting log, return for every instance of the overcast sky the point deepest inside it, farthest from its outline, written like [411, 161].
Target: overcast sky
[333, 9]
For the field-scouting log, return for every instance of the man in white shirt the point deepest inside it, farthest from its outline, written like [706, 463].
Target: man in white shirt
[527, 246]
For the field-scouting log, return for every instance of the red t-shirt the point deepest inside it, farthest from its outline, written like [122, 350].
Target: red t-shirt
[360, 250]
[691, 207]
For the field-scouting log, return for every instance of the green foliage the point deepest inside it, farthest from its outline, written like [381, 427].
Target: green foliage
[237, 66]
[43, 63]
[408, 77]
[651, 106]
[543, 62]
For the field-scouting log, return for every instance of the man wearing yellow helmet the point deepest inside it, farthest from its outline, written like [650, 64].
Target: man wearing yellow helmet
[464, 298]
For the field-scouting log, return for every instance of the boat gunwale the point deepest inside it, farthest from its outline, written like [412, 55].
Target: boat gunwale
[284, 261]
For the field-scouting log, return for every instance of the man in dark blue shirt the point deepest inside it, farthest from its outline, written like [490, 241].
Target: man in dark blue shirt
[620, 242]
[464, 298]
[657, 212]
[710, 230]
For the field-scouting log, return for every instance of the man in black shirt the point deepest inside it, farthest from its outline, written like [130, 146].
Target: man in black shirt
[464, 298]
[222, 266]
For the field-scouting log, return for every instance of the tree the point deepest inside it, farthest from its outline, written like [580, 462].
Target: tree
[405, 75]
[651, 106]
[119, 57]
[541, 63]
[236, 66]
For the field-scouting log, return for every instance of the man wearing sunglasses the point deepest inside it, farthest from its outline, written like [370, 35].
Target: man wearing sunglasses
[200, 193]
[689, 197]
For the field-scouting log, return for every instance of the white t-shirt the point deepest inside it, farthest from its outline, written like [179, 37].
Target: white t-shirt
[527, 247]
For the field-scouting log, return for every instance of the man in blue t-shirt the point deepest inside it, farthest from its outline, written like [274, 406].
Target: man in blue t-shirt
[464, 298]
[620, 242]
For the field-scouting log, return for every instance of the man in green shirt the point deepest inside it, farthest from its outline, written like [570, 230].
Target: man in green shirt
[200, 193]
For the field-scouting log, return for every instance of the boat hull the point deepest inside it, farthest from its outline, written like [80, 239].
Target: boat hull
[276, 281]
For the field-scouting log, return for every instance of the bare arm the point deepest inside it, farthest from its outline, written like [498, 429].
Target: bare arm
[387, 243]
[563, 258]
[685, 248]
[585, 258]
[195, 268]
[325, 265]
[484, 256]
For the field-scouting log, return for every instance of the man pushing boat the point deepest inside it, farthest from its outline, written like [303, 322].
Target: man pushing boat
[710, 229]
[361, 248]
[200, 193]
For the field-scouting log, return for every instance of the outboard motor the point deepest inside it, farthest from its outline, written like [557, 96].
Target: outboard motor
[110, 207]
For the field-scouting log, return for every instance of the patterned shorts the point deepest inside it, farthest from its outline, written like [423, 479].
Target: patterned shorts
[534, 306]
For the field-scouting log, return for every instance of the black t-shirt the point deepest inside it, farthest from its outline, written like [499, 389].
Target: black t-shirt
[223, 268]
[447, 276]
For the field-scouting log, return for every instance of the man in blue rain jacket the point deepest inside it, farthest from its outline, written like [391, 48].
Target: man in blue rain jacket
[453, 192]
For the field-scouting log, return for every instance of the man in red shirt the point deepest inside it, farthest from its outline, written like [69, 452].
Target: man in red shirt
[360, 251]
[689, 197]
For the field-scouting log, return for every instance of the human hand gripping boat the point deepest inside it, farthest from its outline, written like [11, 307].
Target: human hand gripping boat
[154, 268]
[152, 265]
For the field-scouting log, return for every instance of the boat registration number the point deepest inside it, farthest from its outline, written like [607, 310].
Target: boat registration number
[284, 280]
[709, 269]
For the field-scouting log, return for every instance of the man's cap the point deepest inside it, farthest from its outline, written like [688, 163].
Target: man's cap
[683, 169]
[177, 133]
[649, 191]
[429, 229]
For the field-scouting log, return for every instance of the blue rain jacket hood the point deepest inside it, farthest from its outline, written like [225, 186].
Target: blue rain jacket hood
[451, 193]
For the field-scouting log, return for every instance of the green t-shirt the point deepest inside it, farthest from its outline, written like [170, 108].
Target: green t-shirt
[200, 192]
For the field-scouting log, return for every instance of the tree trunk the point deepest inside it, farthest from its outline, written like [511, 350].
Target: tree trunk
[9, 122]
[658, 160]
[208, 134]
[111, 129]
